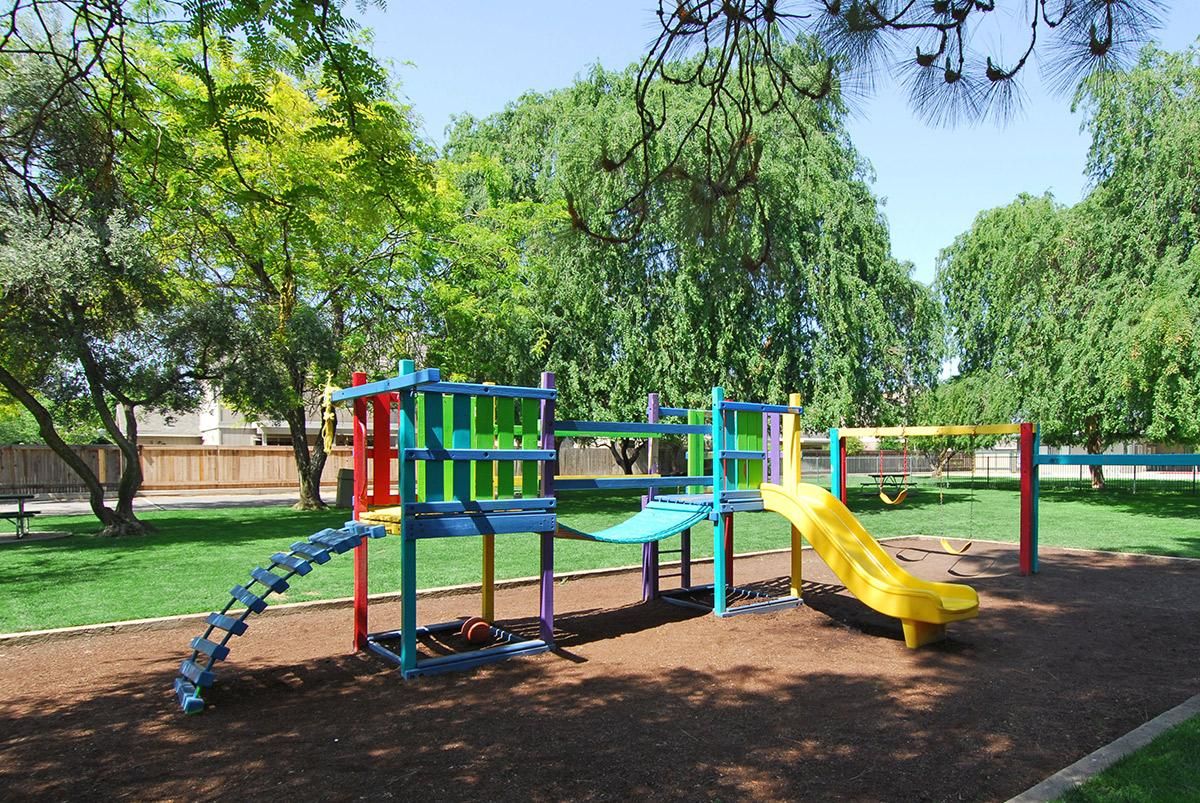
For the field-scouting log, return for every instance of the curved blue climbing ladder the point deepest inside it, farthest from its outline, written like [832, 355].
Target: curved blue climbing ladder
[198, 672]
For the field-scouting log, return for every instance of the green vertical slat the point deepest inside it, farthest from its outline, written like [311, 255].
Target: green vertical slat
[529, 440]
[447, 417]
[733, 467]
[754, 440]
[485, 438]
[695, 451]
[504, 440]
[420, 467]
[461, 439]
[435, 438]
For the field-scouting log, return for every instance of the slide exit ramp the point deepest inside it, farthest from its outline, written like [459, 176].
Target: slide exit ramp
[924, 608]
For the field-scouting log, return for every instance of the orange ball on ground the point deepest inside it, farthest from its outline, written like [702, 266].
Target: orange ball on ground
[478, 631]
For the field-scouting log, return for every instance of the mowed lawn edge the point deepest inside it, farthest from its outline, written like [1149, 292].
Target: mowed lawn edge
[1165, 769]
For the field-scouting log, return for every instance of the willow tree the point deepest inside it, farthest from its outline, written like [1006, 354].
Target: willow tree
[789, 288]
[1085, 319]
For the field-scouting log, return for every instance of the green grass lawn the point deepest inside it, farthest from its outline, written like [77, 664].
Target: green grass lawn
[1165, 769]
[193, 559]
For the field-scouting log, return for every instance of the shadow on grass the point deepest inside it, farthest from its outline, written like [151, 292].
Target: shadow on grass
[1172, 503]
[223, 525]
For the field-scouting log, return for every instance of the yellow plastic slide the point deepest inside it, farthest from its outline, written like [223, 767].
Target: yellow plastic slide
[869, 572]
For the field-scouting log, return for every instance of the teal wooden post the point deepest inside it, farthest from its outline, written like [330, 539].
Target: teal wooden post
[835, 463]
[406, 438]
[718, 446]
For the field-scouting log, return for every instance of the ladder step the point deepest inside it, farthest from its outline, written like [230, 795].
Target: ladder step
[298, 565]
[189, 699]
[314, 552]
[199, 675]
[271, 581]
[367, 530]
[337, 540]
[249, 599]
[218, 652]
[230, 624]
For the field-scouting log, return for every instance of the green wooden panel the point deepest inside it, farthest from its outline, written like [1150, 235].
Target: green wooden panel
[695, 454]
[732, 467]
[505, 439]
[754, 441]
[448, 419]
[420, 467]
[529, 440]
[461, 439]
[434, 437]
[484, 437]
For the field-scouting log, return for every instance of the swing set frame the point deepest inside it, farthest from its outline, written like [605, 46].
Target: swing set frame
[1029, 443]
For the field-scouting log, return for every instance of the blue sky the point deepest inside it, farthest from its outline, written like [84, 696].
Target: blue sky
[475, 56]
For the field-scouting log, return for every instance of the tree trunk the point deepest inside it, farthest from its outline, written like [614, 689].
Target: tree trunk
[1094, 445]
[126, 440]
[131, 474]
[114, 523]
[309, 464]
[625, 459]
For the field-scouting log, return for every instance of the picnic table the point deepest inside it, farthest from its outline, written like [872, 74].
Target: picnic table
[20, 516]
[890, 479]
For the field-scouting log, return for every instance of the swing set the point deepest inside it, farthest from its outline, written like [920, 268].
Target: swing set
[886, 480]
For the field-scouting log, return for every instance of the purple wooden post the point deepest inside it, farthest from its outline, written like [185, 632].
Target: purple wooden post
[777, 449]
[650, 550]
[546, 612]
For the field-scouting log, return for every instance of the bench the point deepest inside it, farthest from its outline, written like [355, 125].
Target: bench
[20, 518]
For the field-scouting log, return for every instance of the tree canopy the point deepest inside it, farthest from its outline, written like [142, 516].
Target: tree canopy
[1087, 319]
[808, 300]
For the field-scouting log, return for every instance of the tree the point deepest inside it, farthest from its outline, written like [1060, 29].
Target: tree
[307, 240]
[92, 329]
[810, 302]
[950, 54]
[1084, 319]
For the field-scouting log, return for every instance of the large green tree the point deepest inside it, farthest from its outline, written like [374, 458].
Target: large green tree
[1085, 319]
[790, 289]
[92, 328]
[308, 241]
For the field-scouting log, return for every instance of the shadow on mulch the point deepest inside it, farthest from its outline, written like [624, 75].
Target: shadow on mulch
[656, 701]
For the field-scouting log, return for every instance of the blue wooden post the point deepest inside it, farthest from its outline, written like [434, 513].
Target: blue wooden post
[718, 445]
[406, 438]
[650, 549]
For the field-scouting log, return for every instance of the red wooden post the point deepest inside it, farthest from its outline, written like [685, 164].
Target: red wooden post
[1025, 451]
[842, 469]
[381, 449]
[360, 499]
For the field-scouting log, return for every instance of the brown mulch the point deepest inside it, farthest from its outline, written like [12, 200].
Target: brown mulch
[640, 701]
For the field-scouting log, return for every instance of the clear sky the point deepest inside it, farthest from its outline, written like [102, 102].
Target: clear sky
[475, 56]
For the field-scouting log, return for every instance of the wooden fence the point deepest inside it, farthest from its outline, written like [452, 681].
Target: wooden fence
[38, 470]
